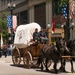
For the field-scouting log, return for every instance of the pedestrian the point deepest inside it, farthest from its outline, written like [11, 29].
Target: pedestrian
[9, 49]
[5, 50]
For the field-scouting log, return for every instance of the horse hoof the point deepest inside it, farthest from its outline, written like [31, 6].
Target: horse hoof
[56, 72]
[47, 70]
[41, 68]
[72, 71]
[64, 70]
[60, 68]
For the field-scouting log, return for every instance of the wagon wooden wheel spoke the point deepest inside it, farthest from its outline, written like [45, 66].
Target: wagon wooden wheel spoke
[27, 59]
[16, 56]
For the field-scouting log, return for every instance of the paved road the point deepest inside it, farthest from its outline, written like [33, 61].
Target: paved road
[7, 68]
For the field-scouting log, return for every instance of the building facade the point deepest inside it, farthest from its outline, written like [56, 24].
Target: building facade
[40, 11]
[29, 11]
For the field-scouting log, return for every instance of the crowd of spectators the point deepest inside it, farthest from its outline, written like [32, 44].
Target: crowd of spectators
[6, 50]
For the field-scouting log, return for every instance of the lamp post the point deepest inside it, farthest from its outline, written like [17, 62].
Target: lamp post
[67, 23]
[72, 29]
[11, 8]
[63, 30]
[49, 33]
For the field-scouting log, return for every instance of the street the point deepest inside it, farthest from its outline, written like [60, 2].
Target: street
[7, 68]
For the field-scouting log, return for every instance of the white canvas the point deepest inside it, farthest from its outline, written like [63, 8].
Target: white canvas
[24, 34]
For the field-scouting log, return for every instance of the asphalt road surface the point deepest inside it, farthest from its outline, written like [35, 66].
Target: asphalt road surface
[7, 68]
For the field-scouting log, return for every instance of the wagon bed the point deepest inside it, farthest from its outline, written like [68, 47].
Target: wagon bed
[28, 55]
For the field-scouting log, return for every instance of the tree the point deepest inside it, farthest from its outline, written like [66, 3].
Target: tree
[3, 26]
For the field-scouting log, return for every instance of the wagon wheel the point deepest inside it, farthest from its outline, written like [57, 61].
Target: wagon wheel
[48, 63]
[27, 59]
[16, 56]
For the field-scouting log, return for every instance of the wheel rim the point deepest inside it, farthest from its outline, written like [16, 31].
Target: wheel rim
[27, 59]
[16, 57]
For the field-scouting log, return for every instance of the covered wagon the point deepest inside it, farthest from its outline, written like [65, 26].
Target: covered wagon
[24, 50]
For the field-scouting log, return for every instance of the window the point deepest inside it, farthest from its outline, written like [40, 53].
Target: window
[24, 17]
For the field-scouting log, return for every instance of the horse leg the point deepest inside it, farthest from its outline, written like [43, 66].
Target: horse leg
[46, 65]
[41, 66]
[40, 62]
[72, 69]
[63, 62]
[61, 67]
[55, 67]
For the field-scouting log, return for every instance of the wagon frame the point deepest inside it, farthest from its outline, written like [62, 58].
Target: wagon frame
[28, 55]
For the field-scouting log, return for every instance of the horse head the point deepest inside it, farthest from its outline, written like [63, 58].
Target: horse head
[60, 45]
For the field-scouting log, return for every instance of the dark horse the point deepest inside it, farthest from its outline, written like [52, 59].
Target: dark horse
[67, 51]
[55, 53]
[49, 52]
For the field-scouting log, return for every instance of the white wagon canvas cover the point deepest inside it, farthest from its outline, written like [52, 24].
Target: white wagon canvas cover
[24, 33]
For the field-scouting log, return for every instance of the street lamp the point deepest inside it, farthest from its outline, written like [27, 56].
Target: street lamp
[11, 8]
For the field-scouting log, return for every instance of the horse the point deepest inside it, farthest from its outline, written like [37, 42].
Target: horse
[67, 51]
[55, 53]
[49, 52]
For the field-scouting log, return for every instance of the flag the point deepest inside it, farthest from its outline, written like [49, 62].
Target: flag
[62, 20]
[72, 9]
[14, 22]
[53, 24]
[9, 21]
[1, 41]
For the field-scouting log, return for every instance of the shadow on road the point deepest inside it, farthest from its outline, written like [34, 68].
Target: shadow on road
[22, 66]
[38, 69]
[52, 71]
